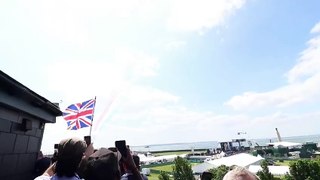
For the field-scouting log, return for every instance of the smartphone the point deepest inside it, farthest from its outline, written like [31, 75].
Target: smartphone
[122, 147]
[56, 146]
[87, 139]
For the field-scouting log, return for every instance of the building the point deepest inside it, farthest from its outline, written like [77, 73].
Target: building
[23, 115]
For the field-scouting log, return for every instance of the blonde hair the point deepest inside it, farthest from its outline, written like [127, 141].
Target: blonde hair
[240, 173]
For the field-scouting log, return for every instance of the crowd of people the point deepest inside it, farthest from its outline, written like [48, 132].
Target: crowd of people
[75, 159]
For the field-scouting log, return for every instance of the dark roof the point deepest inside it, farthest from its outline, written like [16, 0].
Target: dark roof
[12, 86]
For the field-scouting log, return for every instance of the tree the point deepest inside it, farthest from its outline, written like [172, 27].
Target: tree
[163, 176]
[287, 177]
[182, 169]
[219, 172]
[305, 169]
[265, 173]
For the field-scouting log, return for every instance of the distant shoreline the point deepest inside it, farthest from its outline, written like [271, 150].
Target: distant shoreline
[215, 144]
[284, 137]
[168, 151]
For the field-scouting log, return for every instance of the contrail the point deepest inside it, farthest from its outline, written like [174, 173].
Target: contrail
[97, 123]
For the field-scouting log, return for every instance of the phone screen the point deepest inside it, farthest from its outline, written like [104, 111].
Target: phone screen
[87, 139]
[56, 146]
[121, 146]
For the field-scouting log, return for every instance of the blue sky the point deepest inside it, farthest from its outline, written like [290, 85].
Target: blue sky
[173, 71]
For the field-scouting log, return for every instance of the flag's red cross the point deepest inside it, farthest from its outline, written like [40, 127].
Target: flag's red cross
[79, 115]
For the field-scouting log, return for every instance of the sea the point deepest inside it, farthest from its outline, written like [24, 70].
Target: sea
[215, 144]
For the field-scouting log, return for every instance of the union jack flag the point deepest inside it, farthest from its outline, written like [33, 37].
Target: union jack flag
[79, 115]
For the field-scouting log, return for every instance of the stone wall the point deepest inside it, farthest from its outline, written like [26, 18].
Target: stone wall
[18, 147]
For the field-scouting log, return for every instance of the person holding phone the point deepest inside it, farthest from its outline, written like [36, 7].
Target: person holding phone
[104, 164]
[129, 175]
[70, 153]
[130, 168]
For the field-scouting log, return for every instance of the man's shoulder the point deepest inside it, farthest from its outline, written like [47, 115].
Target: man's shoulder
[126, 176]
[45, 177]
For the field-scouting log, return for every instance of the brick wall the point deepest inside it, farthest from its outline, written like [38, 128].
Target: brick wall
[18, 148]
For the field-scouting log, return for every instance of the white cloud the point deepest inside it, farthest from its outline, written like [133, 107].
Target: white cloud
[308, 63]
[80, 44]
[172, 122]
[316, 28]
[80, 76]
[303, 84]
[175, 45]
[81, 23]
[137, 64]
[138, 113]
[200, 15]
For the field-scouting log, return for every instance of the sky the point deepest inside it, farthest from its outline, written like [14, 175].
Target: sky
[169, 71]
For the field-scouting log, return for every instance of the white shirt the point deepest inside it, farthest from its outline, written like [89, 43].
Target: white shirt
[54, 177]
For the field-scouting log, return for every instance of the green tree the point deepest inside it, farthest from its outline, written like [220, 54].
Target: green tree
[305, 169]
[265, 173]
[163, 176]
[182, 169]
[287, 177]
[219, 172]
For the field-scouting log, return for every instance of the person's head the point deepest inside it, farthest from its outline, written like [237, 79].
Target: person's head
[240, 173]
[206, 176]
[70, 153]
[102, 165]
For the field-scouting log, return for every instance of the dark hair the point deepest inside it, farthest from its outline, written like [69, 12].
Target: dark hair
[70, 154]
[102, 168]
[206, 176]
[67, 167]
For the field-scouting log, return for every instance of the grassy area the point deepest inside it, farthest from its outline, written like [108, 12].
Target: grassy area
[171, 153]
[155, 169]
[174, 153]
[167, 168]
[153, 176]
[284, 163]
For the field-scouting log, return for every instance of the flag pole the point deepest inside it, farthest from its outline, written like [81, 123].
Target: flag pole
[95, 101]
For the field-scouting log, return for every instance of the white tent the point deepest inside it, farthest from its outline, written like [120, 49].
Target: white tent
[200, 168]
[242, 159]
[275, 170]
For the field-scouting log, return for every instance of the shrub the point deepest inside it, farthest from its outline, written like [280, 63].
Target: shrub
[182, 169]
[163, 176]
